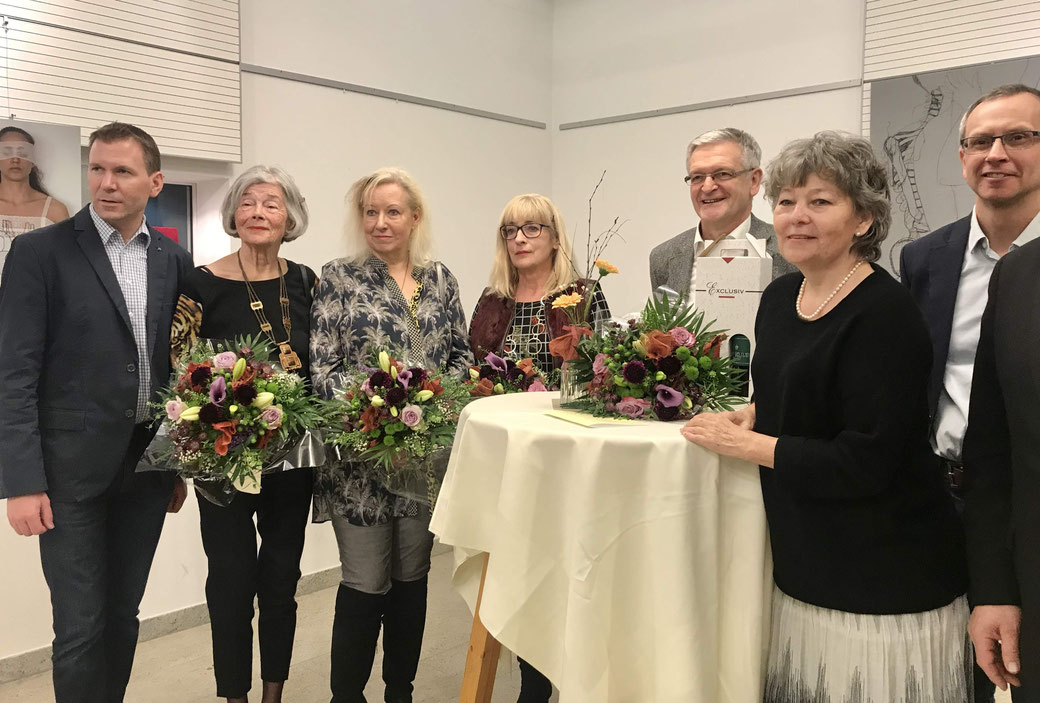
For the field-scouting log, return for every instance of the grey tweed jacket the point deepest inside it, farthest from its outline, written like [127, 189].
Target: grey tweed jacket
[671, 262]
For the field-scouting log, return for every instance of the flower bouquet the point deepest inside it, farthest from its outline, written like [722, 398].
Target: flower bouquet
[665, 366]
[401, 421]
[233, 414]
[497, 376]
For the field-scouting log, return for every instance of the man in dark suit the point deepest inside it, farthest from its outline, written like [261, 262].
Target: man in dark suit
[722, 170]
[85, 312]
[949, 270]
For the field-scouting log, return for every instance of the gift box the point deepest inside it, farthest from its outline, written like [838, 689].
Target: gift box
[728, 290]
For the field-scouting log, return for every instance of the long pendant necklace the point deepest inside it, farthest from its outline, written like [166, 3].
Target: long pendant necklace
[289, 360]
[801, 291]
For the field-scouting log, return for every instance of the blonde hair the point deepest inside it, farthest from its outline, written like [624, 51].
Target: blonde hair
[420, 243]
[532, 208]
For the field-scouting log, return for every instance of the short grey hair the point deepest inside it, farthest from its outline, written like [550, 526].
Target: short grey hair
[1004, 91]
[295, 204]
[847, 161]
[752, 151]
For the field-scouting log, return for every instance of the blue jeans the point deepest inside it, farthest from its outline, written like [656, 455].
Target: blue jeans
[96, 561]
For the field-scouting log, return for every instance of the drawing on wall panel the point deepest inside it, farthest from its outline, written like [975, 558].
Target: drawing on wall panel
[914, 123]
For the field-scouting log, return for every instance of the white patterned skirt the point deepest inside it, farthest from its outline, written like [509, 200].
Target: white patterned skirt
[818, 654]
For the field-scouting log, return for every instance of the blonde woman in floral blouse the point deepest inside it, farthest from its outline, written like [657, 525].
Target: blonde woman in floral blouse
[388, 295]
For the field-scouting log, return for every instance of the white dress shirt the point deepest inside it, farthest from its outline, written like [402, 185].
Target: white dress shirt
[130, 264]
[739, 234]
[951, 414]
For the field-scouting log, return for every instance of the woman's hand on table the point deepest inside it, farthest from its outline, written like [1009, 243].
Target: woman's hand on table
[730, 434]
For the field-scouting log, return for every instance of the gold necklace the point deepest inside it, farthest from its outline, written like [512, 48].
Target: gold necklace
[289, 360]
[801, 290]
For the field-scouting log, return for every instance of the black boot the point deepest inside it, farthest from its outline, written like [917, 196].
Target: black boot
[355, 630]
[404, 620]
[534, 686]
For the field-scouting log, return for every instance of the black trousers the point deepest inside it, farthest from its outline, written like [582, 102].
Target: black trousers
[535, 687]
[238, 572]
[96, 561]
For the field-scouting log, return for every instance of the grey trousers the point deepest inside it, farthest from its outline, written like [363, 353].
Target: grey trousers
[370, 556]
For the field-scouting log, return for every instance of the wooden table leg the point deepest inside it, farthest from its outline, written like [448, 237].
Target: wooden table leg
[478, 680]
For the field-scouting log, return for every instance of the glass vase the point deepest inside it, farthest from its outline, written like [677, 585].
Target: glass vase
[571, 389]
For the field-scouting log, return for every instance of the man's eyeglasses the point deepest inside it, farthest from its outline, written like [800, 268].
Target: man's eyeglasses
[530, 230]
[1012, 140]
[696, 179]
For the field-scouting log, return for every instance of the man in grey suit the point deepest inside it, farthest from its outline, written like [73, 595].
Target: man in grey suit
[724, 175]
[85, 312]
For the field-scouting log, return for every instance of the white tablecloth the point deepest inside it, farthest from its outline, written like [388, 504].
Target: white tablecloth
[626, 564]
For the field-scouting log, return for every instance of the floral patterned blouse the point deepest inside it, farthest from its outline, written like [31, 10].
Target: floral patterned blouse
[359, 310]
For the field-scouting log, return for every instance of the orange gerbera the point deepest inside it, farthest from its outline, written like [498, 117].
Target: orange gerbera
[566, 300]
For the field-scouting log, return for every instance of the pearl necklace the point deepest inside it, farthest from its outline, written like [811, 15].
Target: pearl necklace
[801, 290]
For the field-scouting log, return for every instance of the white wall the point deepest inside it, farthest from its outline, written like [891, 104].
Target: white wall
[613, 57]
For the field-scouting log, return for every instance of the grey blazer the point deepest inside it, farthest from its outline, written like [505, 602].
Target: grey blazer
[671, 262]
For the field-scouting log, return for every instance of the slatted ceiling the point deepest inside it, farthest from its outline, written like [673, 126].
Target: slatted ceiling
[57, 81]
[865, 124]
[190, 104]
[886, 10]
[913, 36]
[46, 84]
[210, 29]
[951, 30]
[923, 45]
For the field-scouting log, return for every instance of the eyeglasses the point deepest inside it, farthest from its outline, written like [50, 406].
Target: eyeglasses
[530, 230]
[696, 179]
[1012, 140]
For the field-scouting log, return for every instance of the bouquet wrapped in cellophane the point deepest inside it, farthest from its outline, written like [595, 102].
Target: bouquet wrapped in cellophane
[401, 422]
[232, 414]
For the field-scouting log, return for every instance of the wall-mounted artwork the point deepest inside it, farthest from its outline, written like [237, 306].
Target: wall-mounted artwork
[39, 177]
[914, 124]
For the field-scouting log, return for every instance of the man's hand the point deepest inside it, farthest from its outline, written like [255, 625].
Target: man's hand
[30, 515]
[180, 494]
[994, 632]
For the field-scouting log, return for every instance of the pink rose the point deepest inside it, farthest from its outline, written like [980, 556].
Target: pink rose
[272, 417]
[682, 336]
[536, 387]
[632, 407]
[599, 367]
[366, 387]
[174, 408]
[225, 360]
[411, 415]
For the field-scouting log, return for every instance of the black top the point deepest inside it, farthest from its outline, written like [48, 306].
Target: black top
[859, 516]
[211, 307]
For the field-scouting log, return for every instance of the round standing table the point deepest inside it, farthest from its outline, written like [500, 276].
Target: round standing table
[623, 562]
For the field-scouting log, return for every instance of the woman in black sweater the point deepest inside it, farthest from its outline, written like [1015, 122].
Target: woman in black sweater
[867, 549]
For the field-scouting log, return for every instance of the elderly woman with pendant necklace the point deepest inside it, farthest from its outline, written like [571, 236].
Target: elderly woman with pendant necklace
[868, 554]
[250, 292]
